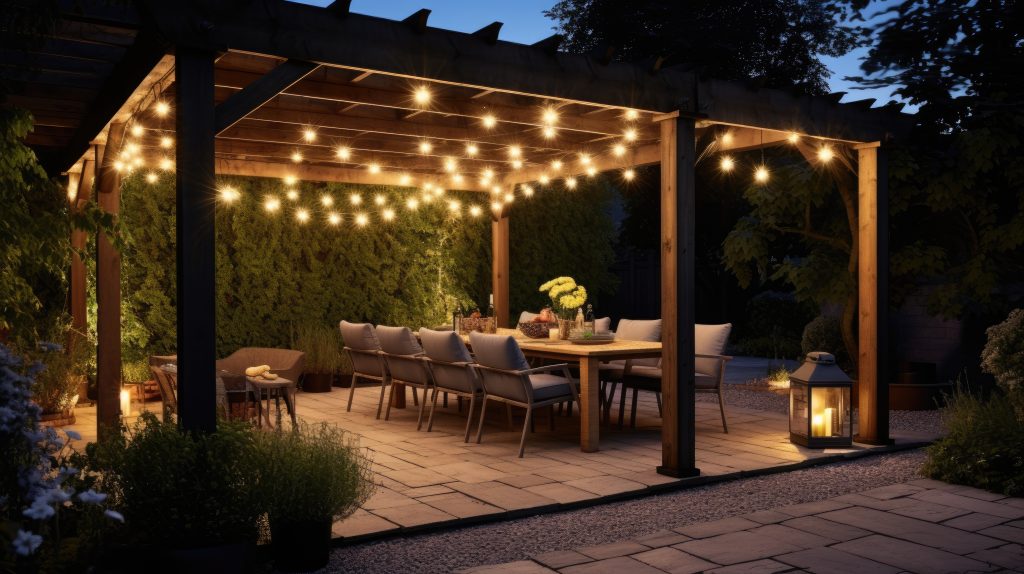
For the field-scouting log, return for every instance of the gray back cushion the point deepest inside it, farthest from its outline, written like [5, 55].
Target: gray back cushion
[498, 352]
[710, 340]
[359, 336]
[603, 324]
[640, 330]
[445, 346]
[398, 341]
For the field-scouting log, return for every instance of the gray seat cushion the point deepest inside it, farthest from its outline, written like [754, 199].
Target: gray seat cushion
[547, 386]
[498, 352]
[445, 346]
[359, 336]
[705, 381]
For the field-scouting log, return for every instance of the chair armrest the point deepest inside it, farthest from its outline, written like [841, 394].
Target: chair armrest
[543, 369]
[723, 358]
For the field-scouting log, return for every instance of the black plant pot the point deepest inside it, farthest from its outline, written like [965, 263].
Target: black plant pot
[226, 558]
[300, 546]
[317, 382]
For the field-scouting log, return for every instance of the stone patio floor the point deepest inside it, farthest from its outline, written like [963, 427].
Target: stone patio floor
[923, 526]
[429, 480]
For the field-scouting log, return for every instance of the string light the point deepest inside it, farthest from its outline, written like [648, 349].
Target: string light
[292, 195]
[489, 121]
[362, 219]
[727, 138]
[373, 168]
[544, 179]
[761, 174]
[130, 149]
[166, 142]
[166, 164]
[570, 182]
[825, 154]
[137, 162]
[549, 132]
[450, 165]
[454, 205]
[343, 153]
[388, 214]
[457, 178]
[727, 163]
[290, 180]
[793, 138]
[229, 194]
[475, 210]
[517, 164]
[327, 200]
[119, 165]
[585, 159]
[515, 151]
[152, 177]
[309, 134]
[296, 157]
[591, 171]
[632, 115]
[471, 149]
[333, 218]
[379, 199]
[556, 165]
[427, 198]
[302, 215]
[426, 147]
[550, 116]
[405, 179]
[355, 199]
[162, 108]
[527, 191]
[509, 198]
[618, 150]
[489, 173]
[630, 134]
[629, 174]
[271, 203]
[496, 190]
[137, 130]
[421, 95]
[412, 203]
[496, 206]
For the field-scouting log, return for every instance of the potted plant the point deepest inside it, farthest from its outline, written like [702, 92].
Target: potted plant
[322, 346]
[188, 499]
[309, 478]
[59, 381]
[566, 298]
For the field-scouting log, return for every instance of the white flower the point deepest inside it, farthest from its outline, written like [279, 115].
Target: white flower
[25, 543]
[73, 435]
[40, 510]
[114, 514]
[91, 497]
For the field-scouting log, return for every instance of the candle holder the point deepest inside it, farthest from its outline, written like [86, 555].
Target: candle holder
[820, 413]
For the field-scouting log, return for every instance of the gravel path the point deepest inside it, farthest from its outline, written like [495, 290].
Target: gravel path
[518, 539]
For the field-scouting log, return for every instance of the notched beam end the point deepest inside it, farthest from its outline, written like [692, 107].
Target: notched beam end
[340, 8]
[418, 20]
[550, 44]
[489, 33]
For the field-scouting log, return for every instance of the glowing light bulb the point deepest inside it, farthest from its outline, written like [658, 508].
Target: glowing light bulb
[327, 200]
[343, 153]
[585, 159]
[727, 138]
[421, 95]
[427, 198]
[450, 165]
[406, 179]
[162, 108]
[412, 203]
[489, 121]
[292, 195]
[152, 177]
[544, 179]
[570, 182]
[618, 150]
[475, 210]
[515, 151]
[355, 199]
[630, 134]
[489, 173]
[761, 174]
[549, 132]
[591, 171]
[290, 180]
[825, 154]
[230, 195]
[166, 142]
[727, 163]
[628, 175]
[496, 206]
[119, 165]
[296, 157]
[426, 147]
[550, 116]
[334, 219]
[309, 134]
[362, 219]
[793, 138]
[472, 150]
[631, 115]
[454, 205]
[457, 178]
[166, 164]
[271, 204]
[137, 161]
[130, 149]
[556, 165]
[509, 198]
[137, 130]
[527, 190]
[496, 190]
[302, 215]
[517, 164]
[373, 168]
[379, 199]
[388, 215]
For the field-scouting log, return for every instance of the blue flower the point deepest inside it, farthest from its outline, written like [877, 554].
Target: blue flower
[114, 515]
[25, 543]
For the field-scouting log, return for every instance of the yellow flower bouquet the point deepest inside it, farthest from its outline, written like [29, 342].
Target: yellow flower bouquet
[566, 296]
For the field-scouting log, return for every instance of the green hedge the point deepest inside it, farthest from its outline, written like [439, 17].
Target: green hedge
[274, 274]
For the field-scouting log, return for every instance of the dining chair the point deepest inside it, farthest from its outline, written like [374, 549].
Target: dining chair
[508, 378]
[452, 368]
[612, 372]
[363, 350]
[403, 357]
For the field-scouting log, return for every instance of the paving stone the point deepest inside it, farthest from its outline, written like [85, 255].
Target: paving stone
[892, 491]
[930, 511]
[561, 558]
[415, 477]
[826, 528]
[736, 547]
[1005, 532]
[971, 492]
[619, 565]
[927, 533]
[469, 472]
[613, 549]
[673, 561]
[387, 498]
[605, 485]
[460, 505]
[359, 523]
[972, 504]
[426, 491]
[524, 480]
[976, 521]
[767, 516]
[716, 527]
[793, 536]
[520, 567]
[929, 484]
[816, 507]
[414, 514]
[502, 495]
[875, 503]
[561, 493]
[1009, 556]
[911, 557]
[833, 561]
[661, 538]
[754, 567]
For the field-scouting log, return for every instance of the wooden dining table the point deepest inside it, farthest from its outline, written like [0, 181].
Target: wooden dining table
[589, 359]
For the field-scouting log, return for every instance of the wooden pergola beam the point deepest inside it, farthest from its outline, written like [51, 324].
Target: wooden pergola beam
[281, 170]
[643, 155]
[260, 91]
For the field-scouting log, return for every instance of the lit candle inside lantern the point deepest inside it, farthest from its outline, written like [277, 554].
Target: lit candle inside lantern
[553, 334]
[817, 425]
[126, 403]
[830, 413]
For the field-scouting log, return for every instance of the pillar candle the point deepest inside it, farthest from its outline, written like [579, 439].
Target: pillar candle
[553, 334]
[126, 403]
[829, 414]
[817, 425]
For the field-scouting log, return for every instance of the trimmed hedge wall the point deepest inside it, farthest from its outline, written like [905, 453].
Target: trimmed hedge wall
[274, 273]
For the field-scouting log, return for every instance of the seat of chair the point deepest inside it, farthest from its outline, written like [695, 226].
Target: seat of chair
[549, 386]
[702, 381]
[277, 383]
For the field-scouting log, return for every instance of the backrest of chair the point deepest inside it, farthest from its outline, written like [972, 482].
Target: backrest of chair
[603, 324]
[287, 363]
[710, 340]
[526, 316]
[167, 391]
[362, 347]
[402, 353]
[640, 330]
[449, 360]
[501, 357]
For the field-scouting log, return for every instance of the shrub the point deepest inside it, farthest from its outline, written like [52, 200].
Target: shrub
[773, 326]
[984, 446]
[1003, 355]
[824, 333]
[322, 346]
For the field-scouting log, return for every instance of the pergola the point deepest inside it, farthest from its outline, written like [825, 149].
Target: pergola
[277, 89]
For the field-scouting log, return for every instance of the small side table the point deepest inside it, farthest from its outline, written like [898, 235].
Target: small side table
[277, 389]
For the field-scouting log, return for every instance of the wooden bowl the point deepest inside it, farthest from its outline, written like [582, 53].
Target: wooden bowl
[536, 330]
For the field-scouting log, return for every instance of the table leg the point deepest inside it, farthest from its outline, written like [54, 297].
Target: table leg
[590, 413]
[399, 400]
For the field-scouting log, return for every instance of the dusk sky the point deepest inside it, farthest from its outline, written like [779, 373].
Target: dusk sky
[524, 22]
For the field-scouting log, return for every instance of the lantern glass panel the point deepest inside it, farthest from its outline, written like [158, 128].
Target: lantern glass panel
[829, 407]
[798, 408]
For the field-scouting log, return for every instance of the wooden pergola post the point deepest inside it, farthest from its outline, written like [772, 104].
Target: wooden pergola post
[77, 298]
[196, 204]
[678, 434]
[108, 289]
[499, 268]
[873, 291]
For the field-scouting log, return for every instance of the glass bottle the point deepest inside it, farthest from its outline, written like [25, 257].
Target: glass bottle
[457, 318]
[578, 327]
[588, 320]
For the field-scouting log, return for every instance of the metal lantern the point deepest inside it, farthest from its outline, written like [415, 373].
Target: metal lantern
[820, 413]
